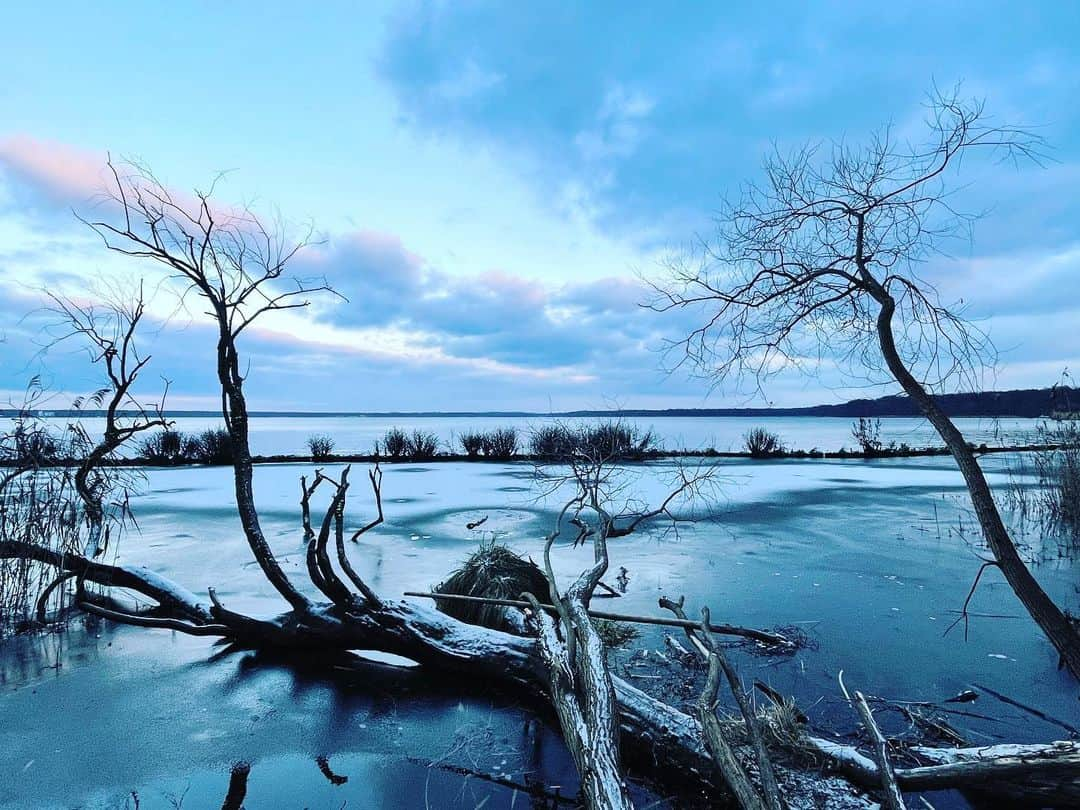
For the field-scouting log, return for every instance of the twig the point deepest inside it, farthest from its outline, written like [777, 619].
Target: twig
[1029, 709]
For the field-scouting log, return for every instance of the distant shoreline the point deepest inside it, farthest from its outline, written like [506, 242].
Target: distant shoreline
[1026, 403]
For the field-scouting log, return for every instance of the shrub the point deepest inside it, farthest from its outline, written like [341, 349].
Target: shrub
[500, 443]
[210, 447]
[421, 445]
[320, 446]
[472, 443]
[551, 441]
[762, 443]
[1058, 471]
[867, 432]
[609, 440]
[395, 443]
[603, 442]
[33, 446]
[162, 447]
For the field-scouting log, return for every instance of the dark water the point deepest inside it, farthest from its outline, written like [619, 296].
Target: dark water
[869, 559]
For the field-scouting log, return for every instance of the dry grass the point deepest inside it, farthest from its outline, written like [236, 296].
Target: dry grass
[494, 571]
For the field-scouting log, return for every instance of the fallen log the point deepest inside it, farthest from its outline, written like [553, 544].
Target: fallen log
[1044, 775]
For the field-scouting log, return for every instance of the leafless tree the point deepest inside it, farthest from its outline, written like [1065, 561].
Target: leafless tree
[107, 328]
[236, 264]
[821, 261]
[59, 490]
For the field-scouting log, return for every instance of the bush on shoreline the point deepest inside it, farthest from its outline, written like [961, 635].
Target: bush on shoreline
[867, 433]
[32, 447]
[762, 443]
[501, 443]
[394, 444]
[320, 446]
[605, 441]
[163, 447]
[422, 445]
[472, 442]
[171, 446]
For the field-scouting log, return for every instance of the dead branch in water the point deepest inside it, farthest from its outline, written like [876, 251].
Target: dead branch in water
[771, 639]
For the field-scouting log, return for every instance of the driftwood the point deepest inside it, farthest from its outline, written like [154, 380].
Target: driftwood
[762, 636]
[580, 682]
[893, 798]
[716, 741]
[1043, 775]
[238, 779]
[701, 639]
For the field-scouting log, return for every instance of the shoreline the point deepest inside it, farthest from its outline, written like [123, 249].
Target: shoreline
[655, 455]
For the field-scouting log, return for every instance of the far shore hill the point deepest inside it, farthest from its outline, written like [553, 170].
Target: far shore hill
[1056, 402]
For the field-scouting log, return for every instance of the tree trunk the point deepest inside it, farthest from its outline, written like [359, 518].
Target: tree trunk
[1046, 614]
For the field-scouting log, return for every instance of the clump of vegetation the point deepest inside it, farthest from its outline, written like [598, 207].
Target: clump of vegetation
[1053, 501]
[604, 441]
[42, 506]
[867, 433]
[762, 443]
[1058, 471]
[615, 634]
[320, 446]
[497, 572]
[210, 447]
[163, 447]
[472, 442]
[421, 445]
[395, 443]
[174, 447]
[500, 443]
[31, 445]
[551, 441]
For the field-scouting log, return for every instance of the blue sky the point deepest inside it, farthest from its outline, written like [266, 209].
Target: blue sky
[490, 180]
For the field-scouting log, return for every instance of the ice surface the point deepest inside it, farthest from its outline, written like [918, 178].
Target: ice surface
[868, 558]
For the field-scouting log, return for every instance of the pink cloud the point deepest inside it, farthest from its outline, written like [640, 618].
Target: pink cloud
[61, 172]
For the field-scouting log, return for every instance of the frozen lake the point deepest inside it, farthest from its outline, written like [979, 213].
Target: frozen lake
[870, 559]
[287, 435]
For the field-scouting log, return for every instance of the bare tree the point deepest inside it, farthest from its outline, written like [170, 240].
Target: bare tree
[60, 490]
[820, 261]
[236, 264]
[107, 329]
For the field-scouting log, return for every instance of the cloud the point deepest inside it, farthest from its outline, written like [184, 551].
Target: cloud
[59, 173]
[490, 314]
[469, 82]
[643, 141]
[373, 270]
[619, 125]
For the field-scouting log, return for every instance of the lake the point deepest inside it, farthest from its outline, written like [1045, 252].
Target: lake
[287, 435]
[870, 559]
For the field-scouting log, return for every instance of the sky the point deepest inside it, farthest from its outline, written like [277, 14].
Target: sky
[492, 185]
